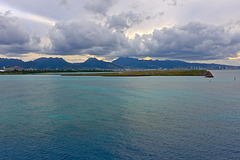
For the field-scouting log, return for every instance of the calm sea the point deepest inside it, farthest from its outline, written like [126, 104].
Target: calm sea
[54, 117]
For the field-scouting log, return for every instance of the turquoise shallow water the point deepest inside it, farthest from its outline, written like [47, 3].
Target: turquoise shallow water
[54, 117]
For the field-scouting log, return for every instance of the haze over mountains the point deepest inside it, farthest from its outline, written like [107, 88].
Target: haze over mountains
[120, 63]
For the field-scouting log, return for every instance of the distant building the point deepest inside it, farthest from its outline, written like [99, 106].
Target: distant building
[30, 69]
[3, 70]
[14, 68]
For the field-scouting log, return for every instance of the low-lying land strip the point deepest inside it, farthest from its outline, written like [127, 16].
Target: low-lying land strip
[49, 72]
[117, 73]
[151, 73]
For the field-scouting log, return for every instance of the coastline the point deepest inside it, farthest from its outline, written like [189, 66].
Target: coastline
[205, 73]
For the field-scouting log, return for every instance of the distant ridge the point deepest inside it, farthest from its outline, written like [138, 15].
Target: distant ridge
[10, 62]
[167, 64]
[48, 63]
[94, 63]
[120, 63]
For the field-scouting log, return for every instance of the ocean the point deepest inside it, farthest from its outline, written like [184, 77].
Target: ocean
[61, 117]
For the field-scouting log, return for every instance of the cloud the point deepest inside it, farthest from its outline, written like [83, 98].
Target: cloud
[102, 28]
[124, 20]
[159, 14]
[84, 37]
[64, 3]
[193, 41]
[99, 6]
[174, 3]
[12, 31]
[108, 36]
[17, 49]
[14, 36]
[171, 2]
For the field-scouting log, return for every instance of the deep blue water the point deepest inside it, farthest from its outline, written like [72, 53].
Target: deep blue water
[54, 117]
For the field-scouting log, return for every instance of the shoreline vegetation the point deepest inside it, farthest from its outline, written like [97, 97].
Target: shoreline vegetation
[54, 72]
[205, 73]
[109, 73]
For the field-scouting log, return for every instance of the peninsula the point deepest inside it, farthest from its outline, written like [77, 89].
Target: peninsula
[205, 73]
[117, 73]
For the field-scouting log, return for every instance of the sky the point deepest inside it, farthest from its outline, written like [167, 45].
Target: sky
[206, 31]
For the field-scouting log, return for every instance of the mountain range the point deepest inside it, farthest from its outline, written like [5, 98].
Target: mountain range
[120, 63]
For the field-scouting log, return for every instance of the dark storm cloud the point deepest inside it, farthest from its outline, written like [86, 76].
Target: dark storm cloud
[14, 38]
[12, 31]
[84, 37]
[16, 49]
[194, 41]
[99, 6]
[77, 31]
[124, 20]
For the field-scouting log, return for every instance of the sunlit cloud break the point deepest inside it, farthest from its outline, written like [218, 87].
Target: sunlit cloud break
[36, 18]
[238, 57]
[28, 16]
